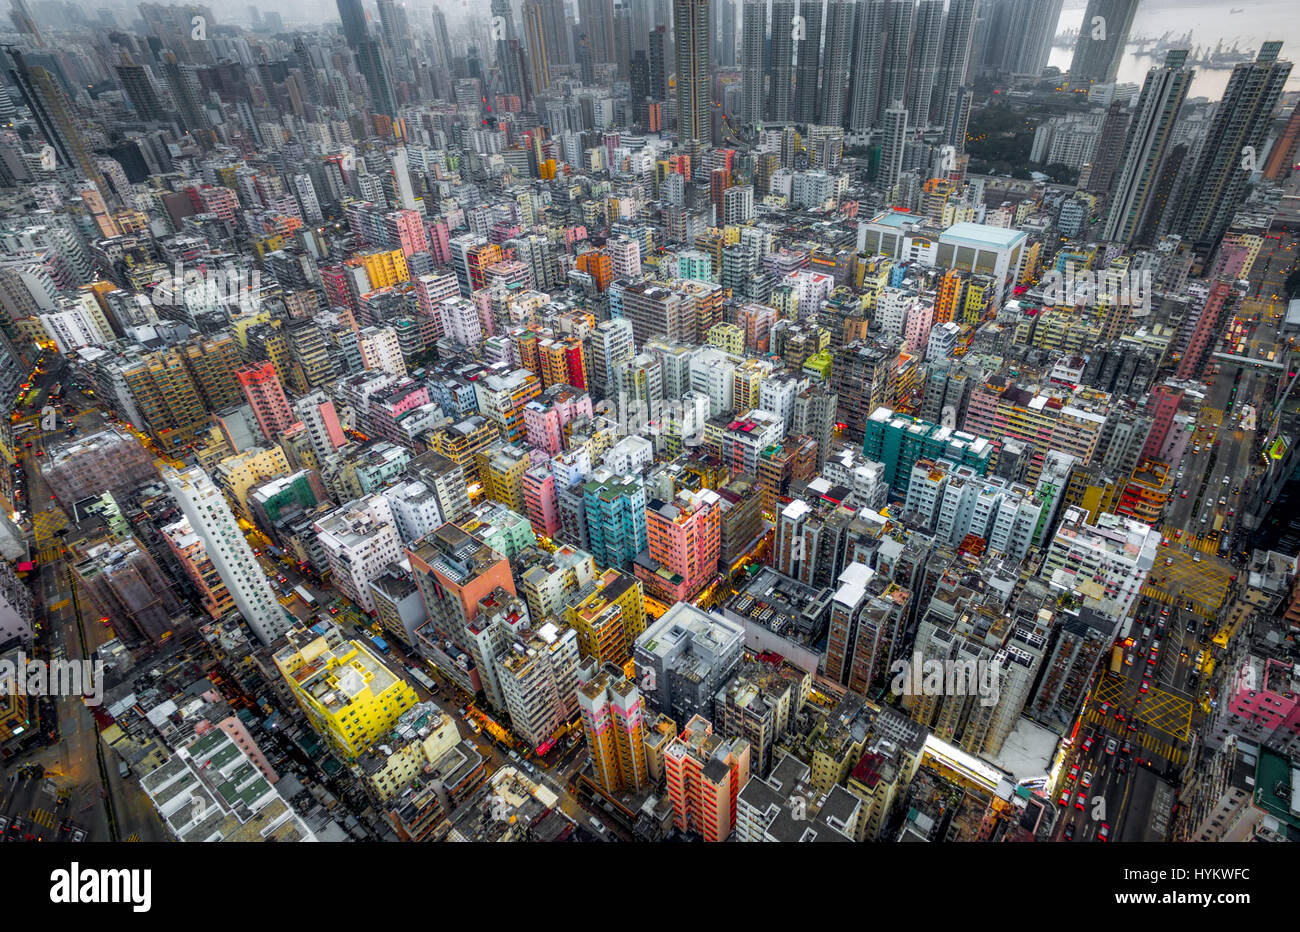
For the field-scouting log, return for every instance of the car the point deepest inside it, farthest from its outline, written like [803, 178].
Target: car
[1087, 780]
[1146, 684]
[1074, 773]
[1122, 765]
[1132, 726]
[1127, 749]
[1103, 833]
[1068, 835]
[1226, 480]
[1111, 746]
[1128, 659]
[1105, 708]
[1080, 801]
[1182, 494]
[1064, 799]
[1196, 558]
[1087, 744]
[1151, 660]
[1169, 561]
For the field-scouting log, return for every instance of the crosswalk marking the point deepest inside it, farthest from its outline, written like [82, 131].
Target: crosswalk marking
[133, 837]
[43, 817]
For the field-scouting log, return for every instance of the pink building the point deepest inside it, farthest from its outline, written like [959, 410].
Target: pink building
[757, 319]
[546, 417]
[684, 539]
[439, 242]
[540, 501]
[405, 231]
[265, 394]
[1208, 326]
[1262, 699]
[916, 329]
[1163, 403]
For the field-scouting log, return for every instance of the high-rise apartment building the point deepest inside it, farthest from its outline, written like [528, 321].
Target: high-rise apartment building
[1241, 126]
[691, 36]
[213, 521]
[265, 395]
[705, 775]
[1146, 149]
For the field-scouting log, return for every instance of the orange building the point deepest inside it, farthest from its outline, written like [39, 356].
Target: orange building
[705, 774]
[596, 264]
[951, 288]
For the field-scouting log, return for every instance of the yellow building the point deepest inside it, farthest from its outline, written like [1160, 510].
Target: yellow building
[350, 698]
[728, 337]
[422, 736]
[501, 468]
[386, 268]
[609, 618]
[235, 475]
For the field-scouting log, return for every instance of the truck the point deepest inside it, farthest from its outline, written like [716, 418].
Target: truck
[1116, 660]
[305, 596]
[380, 643]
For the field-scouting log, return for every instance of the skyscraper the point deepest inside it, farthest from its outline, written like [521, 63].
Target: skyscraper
[954, 58]
[927, 39]
[1110, 149]
[54, 115]
[538, 42]
[724, 33]
[753, 48]
[868, 51]
[596, 19]
[891, 156]
[1100, 46]
[370, 59]
[780, 62]
[837, 59]
[895, 54]
[808, 50]
[213, 521]
[1233, 148]
[1024, 30]
[1146, 147]
[694, 74]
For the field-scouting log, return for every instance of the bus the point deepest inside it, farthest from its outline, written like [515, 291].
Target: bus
[305, 596]
[423, 679]
[1116, 660]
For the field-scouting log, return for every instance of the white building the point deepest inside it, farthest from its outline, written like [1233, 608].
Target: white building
[380, 349]
[1106, 563]
[360, 540]
[213, 521]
